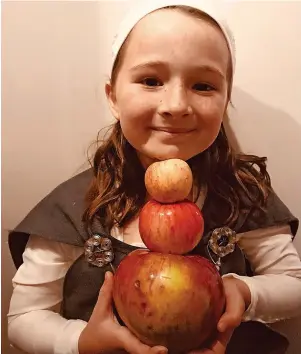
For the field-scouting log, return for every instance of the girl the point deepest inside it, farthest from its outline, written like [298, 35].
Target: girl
[170, 86]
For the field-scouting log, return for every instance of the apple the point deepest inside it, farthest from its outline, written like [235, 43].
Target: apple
[171, 228]
[170, 300]
[168, 181]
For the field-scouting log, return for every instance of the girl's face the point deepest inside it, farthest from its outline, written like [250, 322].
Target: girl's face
[171, 89]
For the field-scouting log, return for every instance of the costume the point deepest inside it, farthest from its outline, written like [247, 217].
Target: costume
[58, 217]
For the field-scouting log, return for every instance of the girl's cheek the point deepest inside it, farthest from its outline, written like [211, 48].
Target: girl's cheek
[137, 111]
[212, 107]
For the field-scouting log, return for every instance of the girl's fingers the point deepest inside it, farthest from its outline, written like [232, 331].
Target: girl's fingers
[235, 308]
[103, 306]
[219, 346]
[133, 345]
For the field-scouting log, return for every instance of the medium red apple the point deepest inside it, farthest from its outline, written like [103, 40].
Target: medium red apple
[171, 228]
[168, 181]
[167, 299]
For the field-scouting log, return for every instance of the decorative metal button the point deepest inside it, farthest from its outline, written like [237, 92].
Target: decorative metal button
[222, 241]
[99, 251]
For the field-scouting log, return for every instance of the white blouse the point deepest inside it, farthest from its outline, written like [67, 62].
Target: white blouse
[36, 328]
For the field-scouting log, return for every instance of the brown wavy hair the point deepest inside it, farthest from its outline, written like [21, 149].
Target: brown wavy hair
[235, 182]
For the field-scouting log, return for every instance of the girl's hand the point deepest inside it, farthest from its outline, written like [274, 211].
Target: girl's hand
[238, 298]
[218, 346]
[103, 334]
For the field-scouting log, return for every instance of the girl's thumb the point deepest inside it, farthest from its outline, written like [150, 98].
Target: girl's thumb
[228, 321]
[105, 295]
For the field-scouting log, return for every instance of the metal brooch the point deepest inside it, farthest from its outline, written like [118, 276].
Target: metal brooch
[222, 242]
[99, 251]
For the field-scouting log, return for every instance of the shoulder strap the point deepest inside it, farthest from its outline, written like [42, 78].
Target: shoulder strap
[57, 217]
[276, 213]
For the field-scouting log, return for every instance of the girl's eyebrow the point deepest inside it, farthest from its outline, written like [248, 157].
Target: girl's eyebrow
[195, 68]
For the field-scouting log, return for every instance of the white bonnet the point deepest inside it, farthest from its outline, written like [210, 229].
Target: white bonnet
[140, 8]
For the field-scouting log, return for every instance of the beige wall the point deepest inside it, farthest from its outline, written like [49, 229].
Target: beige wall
[55, 56]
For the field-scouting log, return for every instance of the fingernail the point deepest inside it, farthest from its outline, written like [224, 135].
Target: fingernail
[163, 351]
[221, 327]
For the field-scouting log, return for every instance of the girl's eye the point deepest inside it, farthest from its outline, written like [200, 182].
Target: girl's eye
[203, 87]
[151, 81]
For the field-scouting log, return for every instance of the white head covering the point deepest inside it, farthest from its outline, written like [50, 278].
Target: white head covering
[141, 8]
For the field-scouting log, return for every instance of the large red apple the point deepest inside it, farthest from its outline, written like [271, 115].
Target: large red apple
[167, 299]
[171, 228]
[168, 181]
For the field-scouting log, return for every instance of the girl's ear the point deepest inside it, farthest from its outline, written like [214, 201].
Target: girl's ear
[112, 100]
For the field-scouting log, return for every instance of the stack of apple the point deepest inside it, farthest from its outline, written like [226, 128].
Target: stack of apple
[164, 296]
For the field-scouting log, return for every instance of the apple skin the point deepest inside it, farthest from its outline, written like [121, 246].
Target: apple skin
[171, 228]
[170, 300]
[168, 181]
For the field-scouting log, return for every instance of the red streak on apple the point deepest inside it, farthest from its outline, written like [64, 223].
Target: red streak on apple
[171, 228]
[169, 300]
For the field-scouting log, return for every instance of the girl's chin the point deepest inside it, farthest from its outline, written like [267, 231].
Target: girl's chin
[149, 157]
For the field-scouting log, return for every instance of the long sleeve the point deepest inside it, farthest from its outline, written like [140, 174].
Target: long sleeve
[34, 325]
[276, 287]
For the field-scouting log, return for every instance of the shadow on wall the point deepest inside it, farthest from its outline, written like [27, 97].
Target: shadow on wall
[254, 127]
[271, 126]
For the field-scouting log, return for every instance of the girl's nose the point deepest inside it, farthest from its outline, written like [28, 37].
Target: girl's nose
[175, 103]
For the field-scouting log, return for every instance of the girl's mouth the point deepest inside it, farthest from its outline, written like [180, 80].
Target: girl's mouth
[173, 131]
